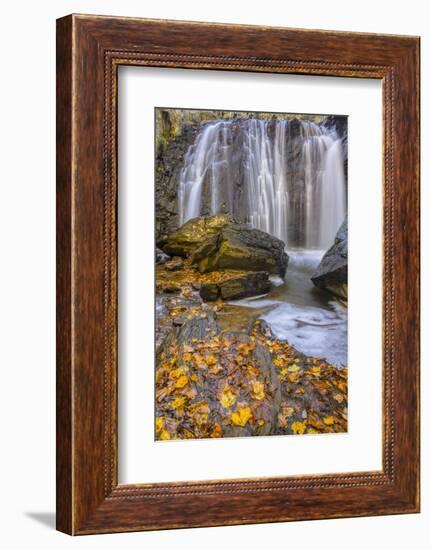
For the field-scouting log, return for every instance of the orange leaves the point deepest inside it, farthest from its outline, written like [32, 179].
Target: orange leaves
[222, 383]
[199, 361]
[241, 416]
[244, 349]
[180, 377]
[293, 377]
[210, 360]
[217, 431]
[252, 371]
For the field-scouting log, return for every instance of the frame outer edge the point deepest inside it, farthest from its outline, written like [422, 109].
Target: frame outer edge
[81, 508]
[64, 300]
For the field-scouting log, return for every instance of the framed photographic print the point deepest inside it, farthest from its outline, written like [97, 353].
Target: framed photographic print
[237, 274]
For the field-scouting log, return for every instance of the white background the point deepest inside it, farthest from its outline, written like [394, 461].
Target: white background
[141, 458]
[27, 273]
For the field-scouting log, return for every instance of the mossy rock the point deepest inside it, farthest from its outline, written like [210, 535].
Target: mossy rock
[214, 243]
[243, 248]
[194, 233]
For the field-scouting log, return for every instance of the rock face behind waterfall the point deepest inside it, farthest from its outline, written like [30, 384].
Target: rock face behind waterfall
[331, 274]
[219, 242]
[277, 173]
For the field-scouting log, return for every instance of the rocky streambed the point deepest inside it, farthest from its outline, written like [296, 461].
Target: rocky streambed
[240, 342]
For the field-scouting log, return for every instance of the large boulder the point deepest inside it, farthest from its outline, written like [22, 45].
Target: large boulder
[235, 287]
[219, 242]
[193, 233]
[331, 274]
[237, 246]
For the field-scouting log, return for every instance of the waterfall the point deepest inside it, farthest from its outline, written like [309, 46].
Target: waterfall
[285, 177]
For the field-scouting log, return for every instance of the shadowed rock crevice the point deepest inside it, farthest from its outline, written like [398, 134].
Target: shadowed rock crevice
[331, 274]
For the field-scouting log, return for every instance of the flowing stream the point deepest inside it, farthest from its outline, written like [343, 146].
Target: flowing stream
[300, 313]
[285, 177]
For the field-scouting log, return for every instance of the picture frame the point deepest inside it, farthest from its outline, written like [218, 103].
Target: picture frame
[89, 51]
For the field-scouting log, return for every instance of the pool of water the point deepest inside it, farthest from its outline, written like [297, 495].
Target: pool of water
[305, 316]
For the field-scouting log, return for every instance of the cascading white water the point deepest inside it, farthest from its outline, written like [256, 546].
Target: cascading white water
[285, 177]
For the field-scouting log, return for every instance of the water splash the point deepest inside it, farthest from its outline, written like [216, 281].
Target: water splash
[285, 177]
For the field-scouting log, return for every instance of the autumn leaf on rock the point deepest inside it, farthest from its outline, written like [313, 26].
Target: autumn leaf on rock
[298, 427]
[258, 391]
[160, 422]
[241, 416]
[164, 435]
[338, 397]
[227, 398]
[284, 415]
[200, 412]
[217, 431]
[210, 360]
[312, 431]
[181, 382]
[178, 402]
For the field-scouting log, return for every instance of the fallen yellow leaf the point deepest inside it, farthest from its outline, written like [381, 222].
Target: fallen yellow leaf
[164, 435]
[298, 427]
[312, 431]
[182, 381]
[178, 372]
[227, 398]
[241, 416]
[178, 402]
[258, 391]
[160, 421]
[328, 420]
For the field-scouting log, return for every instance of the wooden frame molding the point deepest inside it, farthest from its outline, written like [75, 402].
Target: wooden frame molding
[89, 51]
